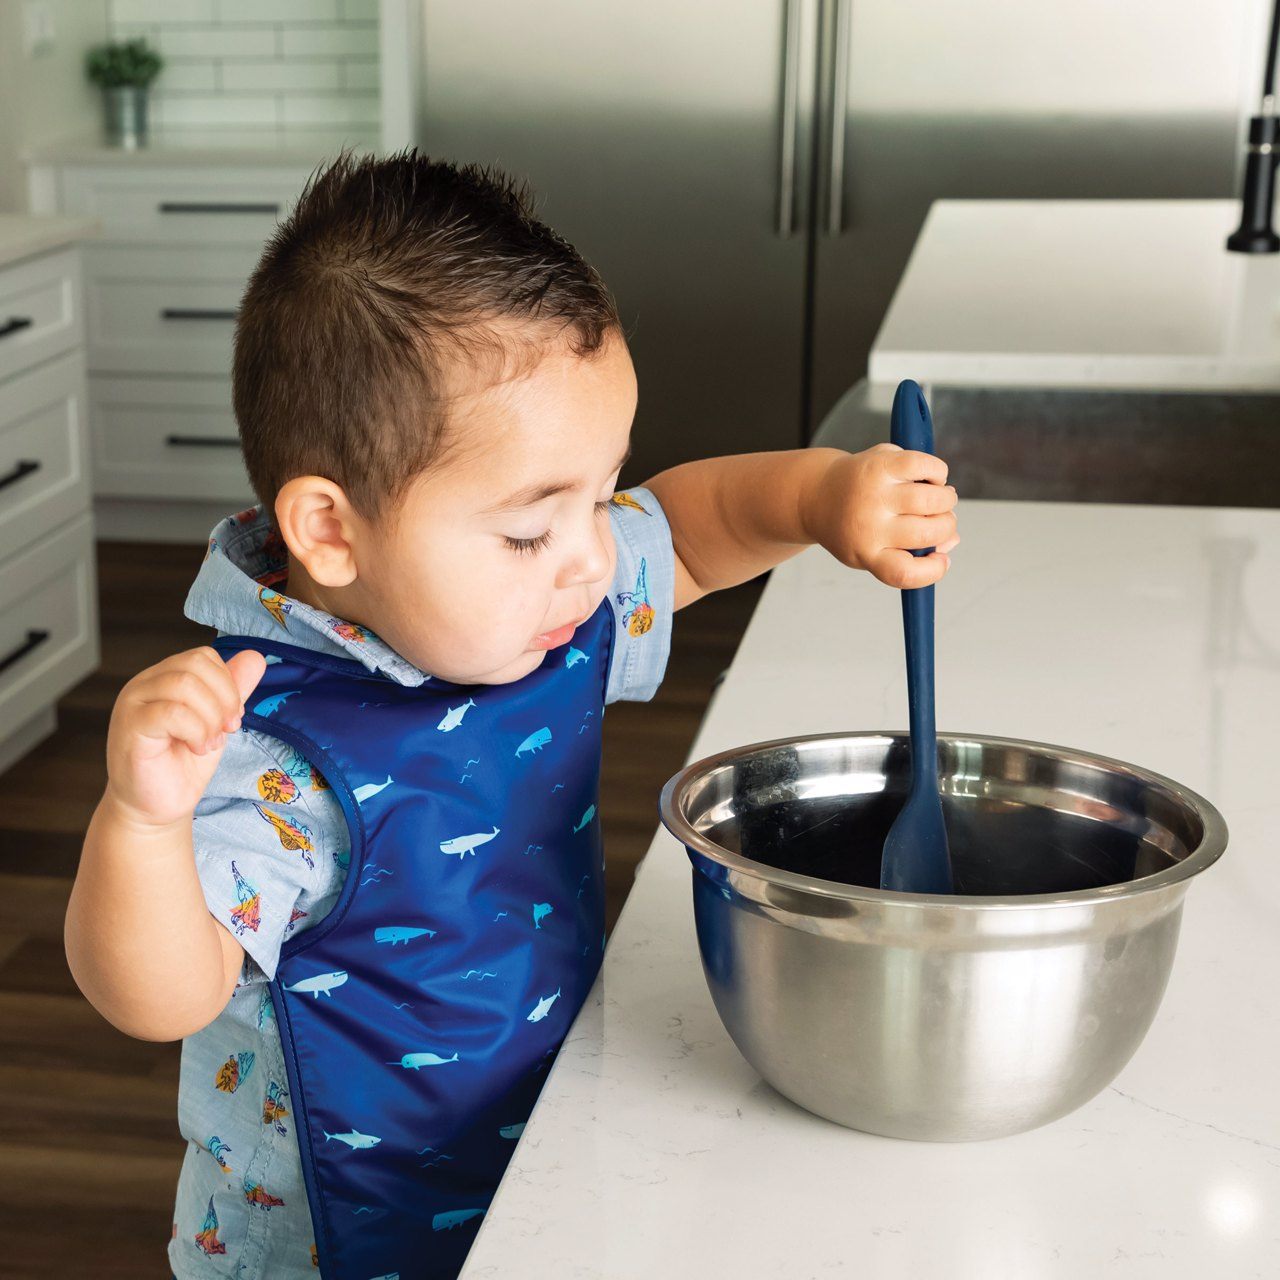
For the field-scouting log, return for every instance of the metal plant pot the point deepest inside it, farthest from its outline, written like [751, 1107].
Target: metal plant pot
[928, 1017]
[126, 115]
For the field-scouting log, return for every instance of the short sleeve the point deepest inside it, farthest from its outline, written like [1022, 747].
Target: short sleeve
[270, 843]
[642, 595]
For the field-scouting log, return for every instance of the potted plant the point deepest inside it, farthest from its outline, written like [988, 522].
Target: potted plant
[124, 69]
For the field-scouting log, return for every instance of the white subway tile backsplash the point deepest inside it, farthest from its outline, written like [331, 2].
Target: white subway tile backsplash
[167, 11]
[187, 75]
[217, 109]
[275, 64]
[218, 42]
[329, 109]
[281, 76]
[278, 10]
[362, 73]
[348, 40]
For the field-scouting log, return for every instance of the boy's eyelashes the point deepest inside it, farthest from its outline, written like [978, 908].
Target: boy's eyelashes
[533, 545]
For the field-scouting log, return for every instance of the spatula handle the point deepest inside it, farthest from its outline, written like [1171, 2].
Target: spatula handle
[911, 427]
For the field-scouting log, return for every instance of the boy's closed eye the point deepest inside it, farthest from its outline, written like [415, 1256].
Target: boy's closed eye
[542, 540]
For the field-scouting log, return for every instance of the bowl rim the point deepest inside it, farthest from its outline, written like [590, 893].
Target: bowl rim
[1207, 852]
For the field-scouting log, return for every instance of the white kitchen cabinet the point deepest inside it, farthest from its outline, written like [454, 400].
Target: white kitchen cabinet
[48, 588]
[163, 285]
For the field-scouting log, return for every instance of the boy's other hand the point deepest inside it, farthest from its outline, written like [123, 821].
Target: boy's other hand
[870, 511]
[167, 732]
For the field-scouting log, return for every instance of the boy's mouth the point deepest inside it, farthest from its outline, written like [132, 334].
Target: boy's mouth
[554, 639]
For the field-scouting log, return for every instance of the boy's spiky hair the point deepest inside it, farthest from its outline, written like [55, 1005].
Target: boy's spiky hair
[386, 272]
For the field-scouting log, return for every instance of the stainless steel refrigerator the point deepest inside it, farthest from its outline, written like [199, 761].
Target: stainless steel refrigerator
[749, 175]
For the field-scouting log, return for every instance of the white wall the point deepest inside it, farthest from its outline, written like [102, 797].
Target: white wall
[46, 95]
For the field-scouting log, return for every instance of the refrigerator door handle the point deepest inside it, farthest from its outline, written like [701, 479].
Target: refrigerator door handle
[836, 116]
[790, 118]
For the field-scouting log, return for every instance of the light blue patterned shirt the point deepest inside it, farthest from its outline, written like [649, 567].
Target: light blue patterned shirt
[241, 1207]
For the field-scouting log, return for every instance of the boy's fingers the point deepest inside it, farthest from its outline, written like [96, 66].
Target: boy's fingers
[175, 721]
[923, 531]
[907, 572]
[246, 668]
[924, 499]
[912, 465]
[190, 685]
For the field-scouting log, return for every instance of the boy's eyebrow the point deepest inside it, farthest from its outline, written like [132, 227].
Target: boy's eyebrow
[532, 493]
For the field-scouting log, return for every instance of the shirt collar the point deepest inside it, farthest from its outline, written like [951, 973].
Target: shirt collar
[236, 592]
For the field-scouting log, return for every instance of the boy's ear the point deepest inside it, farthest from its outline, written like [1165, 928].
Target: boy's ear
[319, 526]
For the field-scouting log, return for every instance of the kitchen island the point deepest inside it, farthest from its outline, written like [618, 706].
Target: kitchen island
[1147, 633]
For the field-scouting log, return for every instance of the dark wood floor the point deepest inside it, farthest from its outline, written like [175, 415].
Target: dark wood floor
[89, 1145]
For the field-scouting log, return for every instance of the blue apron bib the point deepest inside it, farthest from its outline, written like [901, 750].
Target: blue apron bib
[419, 1017]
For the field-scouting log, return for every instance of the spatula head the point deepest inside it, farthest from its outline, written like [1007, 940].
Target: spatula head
[916, 858]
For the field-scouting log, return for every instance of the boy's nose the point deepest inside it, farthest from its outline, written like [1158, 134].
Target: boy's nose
[591, 564]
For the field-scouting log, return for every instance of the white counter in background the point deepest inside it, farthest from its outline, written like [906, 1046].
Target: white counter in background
[24, 235]
[1147, 633]
[1131, 294]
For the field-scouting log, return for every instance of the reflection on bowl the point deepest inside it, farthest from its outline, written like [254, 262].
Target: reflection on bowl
[919, 1016]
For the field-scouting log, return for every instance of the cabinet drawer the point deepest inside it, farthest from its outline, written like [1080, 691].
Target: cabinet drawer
[166, 438]
[48, 621]
[179, 324]
[39, 310]
[44, 451]
[183, 206]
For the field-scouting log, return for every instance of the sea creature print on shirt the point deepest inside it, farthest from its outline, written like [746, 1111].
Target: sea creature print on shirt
[541, 910]
[278, 606]
[639, 616]
[454, 1218]
[453, 717]
[575, 656]
[626, 500]
[207, 1236]
[585, 819]
[273, 1108]
[293, 835]
[234, 1072]
[247, 913]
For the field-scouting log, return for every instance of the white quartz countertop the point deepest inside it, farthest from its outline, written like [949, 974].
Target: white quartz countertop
[24, 235]
[1100, 293]
[1147, 633]
[205, 147]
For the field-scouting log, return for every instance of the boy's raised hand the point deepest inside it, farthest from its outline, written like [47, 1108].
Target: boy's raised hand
[869, 510]
[168, 728]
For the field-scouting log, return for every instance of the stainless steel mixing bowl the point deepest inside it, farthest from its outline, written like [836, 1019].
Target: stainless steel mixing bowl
[931, 1017]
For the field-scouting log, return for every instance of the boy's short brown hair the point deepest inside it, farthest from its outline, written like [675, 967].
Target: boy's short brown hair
[386, 270]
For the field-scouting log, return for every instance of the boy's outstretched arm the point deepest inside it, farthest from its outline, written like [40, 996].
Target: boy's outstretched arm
[734, 517]
[140, 941]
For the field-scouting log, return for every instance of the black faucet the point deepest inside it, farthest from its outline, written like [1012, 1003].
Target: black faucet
[1255, 233]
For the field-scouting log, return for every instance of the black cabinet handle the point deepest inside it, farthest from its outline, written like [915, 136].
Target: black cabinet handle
[24, 468]
[14, 323]
[196, 313]
[34, 639]
[197, 206]
[214, 442]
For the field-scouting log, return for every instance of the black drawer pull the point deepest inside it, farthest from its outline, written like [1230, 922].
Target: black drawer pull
[14, 323]
[196, 206]
[33, 640]
[214, 442]
[195, 313]
[24, 468]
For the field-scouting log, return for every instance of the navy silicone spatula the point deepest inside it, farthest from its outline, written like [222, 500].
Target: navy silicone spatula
[916, 858]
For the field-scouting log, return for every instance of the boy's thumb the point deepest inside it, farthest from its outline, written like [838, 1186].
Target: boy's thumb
[246, 669]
